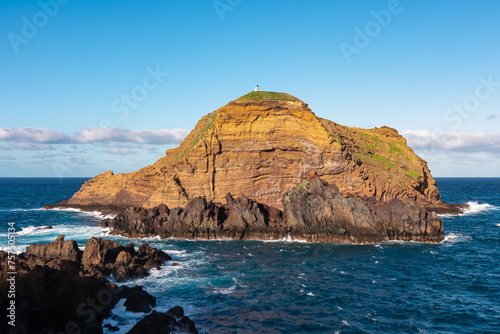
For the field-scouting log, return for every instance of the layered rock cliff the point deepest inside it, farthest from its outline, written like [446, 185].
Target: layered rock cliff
[260, 145]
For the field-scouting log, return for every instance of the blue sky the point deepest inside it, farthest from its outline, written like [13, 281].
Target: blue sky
[94, 85]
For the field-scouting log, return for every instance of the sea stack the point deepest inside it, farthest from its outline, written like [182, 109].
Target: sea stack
[261, 145]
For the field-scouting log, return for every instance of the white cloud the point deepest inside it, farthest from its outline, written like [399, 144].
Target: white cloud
[158, 137]
[116, 150]
[35, 138]
[33, 135]
[453, 141]
[31, 146]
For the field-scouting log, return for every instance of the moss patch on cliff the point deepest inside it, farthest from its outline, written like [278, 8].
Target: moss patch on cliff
[413, 174]
[266, 96]
[209, 124]
[303, 185]
[383, 161]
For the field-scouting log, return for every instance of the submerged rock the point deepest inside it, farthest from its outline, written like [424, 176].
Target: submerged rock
[139, 300]
[165, 323]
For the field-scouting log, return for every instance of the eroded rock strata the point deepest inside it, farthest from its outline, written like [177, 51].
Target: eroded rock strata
[260, 145]
[61, 289]
[313, 211]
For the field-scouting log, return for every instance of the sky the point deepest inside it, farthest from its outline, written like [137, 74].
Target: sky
[88, 86]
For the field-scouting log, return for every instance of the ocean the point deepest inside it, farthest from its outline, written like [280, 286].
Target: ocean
[229, 286]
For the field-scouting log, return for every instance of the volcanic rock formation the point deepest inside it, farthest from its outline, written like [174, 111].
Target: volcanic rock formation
[61, 289]
[314, 211]
[260, 145]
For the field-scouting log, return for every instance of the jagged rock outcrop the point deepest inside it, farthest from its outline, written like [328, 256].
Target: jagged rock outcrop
[172, 321]
[138, 300]
[240, 218]
[59, 249]
[103, 257]
[55, 293]
[260, 145]
[314, 211]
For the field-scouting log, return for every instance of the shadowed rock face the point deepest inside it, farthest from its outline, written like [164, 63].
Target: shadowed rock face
[314, 211]
[240, 218]
[261, 149]
[59, 287]
[172, 321]
[317, 211]
[103, 257]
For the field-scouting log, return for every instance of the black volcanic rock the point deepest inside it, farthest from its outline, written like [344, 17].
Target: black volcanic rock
[52, 300]
[314, 211]
[103, 257]
[165, 323]
[138, 300]
[240, 218]
[61, 289]
[59, 249]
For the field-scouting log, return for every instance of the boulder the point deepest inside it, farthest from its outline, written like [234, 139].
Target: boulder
[59, 249]
[138, 300]
[164, 323]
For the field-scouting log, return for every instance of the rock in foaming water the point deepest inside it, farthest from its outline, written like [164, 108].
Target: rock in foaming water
[59, 287]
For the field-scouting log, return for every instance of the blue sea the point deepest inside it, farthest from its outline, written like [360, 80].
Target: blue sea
[296, 287]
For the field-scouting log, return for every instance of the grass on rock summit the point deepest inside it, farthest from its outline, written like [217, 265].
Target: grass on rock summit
[267, 96]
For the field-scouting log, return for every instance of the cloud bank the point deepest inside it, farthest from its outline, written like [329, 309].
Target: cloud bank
[453, 141]
[31, 138]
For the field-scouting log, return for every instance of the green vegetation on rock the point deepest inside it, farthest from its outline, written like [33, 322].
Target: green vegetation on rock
[413, 174]
[267, 96]
[394, 149]
[303, 185]
[199, 136]
[386, 163]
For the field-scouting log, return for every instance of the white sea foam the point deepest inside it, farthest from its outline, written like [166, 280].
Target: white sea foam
[42, 234]
[29, 229]
[473, 208]
[67, 230]
[121, 318]
[452, 238]
[288, 238]
[96, 214]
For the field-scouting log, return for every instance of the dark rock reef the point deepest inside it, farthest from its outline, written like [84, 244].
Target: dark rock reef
[240, 218]
[61, 289]
[313, 211]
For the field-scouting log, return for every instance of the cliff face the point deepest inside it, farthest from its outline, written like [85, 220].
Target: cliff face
[260, 145]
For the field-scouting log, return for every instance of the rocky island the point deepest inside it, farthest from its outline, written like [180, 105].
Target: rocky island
[293, 174]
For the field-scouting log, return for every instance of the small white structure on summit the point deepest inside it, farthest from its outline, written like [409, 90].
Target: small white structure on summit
[257, 88]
